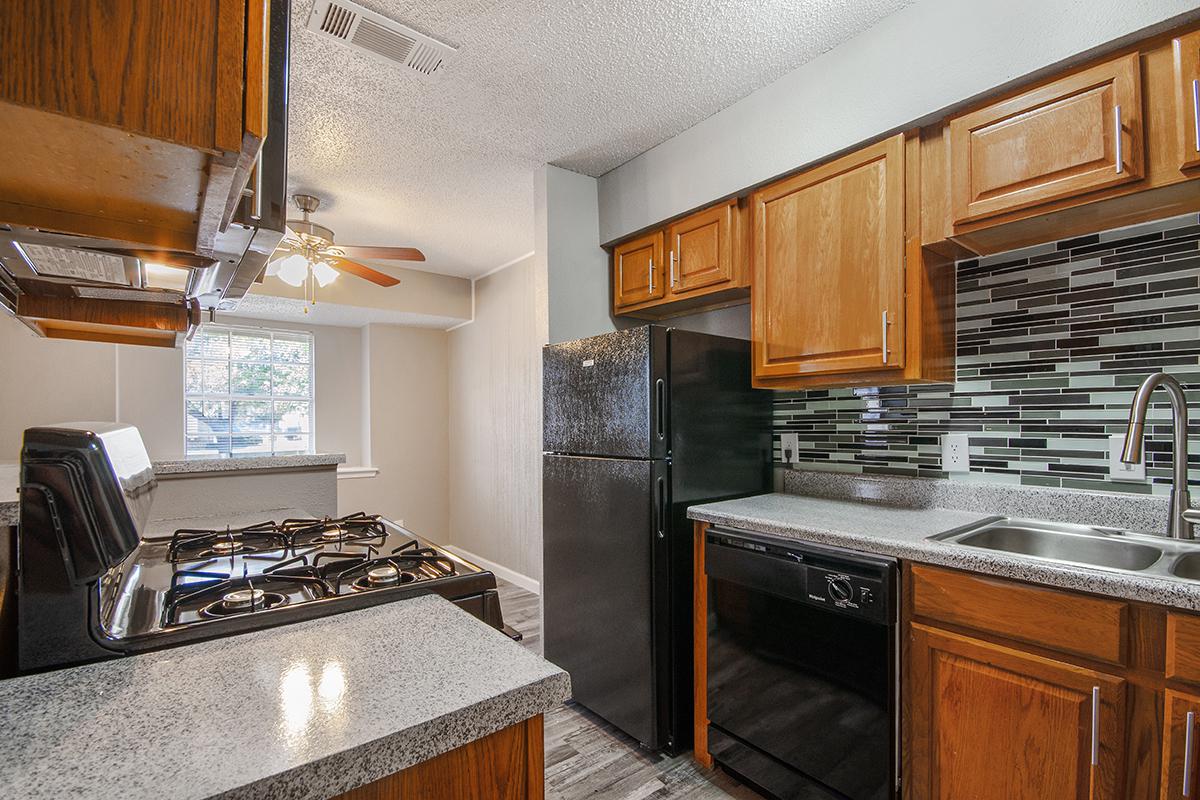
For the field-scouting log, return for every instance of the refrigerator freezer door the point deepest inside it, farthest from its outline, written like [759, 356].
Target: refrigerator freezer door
[602, 519]
[607, 395]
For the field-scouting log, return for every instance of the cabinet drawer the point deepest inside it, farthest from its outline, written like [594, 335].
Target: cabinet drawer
[1064, 138]
[1183, 647]
[1086, 626]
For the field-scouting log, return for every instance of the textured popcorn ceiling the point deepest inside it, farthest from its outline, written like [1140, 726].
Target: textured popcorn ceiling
[447, 165]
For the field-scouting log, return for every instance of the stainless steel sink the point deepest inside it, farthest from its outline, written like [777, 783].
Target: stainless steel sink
[1106, 548]
[1187, 566]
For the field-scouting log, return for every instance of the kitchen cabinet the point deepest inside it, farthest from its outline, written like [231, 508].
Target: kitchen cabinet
[990, 722]
[699, 263]
[134, 120]
[1180, 742]
[1187, 94]
[1108, 143]
[1061, 139]
[638, 272]
[841, 295]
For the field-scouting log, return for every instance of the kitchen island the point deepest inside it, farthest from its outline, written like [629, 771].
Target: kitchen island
[309, 710]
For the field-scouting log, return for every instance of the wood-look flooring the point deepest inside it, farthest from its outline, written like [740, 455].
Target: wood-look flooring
[588, 758]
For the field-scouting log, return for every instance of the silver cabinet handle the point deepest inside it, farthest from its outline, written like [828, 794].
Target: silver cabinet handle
[1120, 142]
[256, 201]
[1187, 754]
[1196, 110]
[650, 272]
[1095, 726]
[674, 280]
[884, 329]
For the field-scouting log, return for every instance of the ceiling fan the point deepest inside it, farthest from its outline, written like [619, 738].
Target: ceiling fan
[307, 254]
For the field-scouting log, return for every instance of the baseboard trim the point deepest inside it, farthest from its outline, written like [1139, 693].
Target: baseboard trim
[511, 575]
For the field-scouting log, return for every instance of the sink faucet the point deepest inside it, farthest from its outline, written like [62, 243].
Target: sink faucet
[1179, 526]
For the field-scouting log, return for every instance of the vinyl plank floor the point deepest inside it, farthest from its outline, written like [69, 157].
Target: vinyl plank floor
[588, 758]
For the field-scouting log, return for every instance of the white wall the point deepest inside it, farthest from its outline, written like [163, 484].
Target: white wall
[910, 67]
[495, 431]
[407, 407]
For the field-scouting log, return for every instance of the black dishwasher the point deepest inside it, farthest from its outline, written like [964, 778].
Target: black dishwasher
[802, 667]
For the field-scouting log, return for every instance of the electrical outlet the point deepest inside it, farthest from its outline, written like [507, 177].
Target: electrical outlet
[1118, 470]
[789, 444]
[956, 452]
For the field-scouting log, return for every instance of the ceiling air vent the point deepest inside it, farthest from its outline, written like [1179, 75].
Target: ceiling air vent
[378, 36]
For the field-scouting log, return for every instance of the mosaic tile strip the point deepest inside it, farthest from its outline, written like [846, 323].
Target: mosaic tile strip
[1052, 341]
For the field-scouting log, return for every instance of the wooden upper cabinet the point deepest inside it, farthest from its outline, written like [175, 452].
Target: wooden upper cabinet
[828, 259]
[1187, 94]
[1064, 138]
[134, 119]
[638, 274]
[1181, 745]
[701, 250]
[992, 723]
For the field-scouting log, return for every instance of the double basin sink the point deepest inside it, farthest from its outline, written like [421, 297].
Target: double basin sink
[1107, 548]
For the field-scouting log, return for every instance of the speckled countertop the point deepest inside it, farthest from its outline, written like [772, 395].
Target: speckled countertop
[10, 480]
[888, 527]
[307, 710]
[194, 465]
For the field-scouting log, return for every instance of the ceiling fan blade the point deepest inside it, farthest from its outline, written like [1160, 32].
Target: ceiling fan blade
[382, 253]
[362, 271]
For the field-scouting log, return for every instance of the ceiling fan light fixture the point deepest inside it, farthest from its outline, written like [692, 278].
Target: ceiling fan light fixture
[324, 273]
[293, 270]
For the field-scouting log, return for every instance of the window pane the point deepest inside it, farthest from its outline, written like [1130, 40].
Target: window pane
[291, 380]
[251, 416]
[216, 377]
[292, 416]
[246, 444]
[207, 417]
[207, 445]
[209, 343]
[292, 348]
[195, 376]
[291, 443]
[253, 379]
[250, 346]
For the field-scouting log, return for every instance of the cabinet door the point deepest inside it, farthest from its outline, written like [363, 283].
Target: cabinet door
[1187, 83]
[700, 250]
[1065, 138]
[1181, 746]
[993, 723]
[828, 287]
[638, 271]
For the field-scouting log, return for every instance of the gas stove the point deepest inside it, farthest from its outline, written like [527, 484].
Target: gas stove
[92, 584]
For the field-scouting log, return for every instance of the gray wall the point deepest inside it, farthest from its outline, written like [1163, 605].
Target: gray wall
[911, 66]
[495, 431]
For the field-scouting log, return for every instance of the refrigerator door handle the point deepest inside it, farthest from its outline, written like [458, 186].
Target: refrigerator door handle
[660, 408]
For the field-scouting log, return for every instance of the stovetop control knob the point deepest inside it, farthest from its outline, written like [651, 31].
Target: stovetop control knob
[840, 590]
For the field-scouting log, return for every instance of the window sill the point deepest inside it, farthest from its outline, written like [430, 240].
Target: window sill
[345, 473]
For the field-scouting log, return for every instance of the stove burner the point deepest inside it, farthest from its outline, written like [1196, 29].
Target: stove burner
[198, 545]
[334, 533]
[383, 575]
[227, 547]
[380, 577]
[242, 601]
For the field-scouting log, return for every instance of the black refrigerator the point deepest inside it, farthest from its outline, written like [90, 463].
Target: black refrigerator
[638, 425]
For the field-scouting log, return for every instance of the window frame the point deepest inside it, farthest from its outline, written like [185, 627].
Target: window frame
[230, 397]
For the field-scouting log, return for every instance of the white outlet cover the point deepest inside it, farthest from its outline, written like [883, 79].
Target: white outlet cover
[956, 455]
[1118, 470]
[789, 445]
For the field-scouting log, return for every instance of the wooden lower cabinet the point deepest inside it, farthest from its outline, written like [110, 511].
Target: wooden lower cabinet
[993, 723]
[507, 765]
[1181, 745]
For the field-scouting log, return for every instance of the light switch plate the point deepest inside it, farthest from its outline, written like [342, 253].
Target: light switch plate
[1118, 470]
[956, 452]
[789, 444]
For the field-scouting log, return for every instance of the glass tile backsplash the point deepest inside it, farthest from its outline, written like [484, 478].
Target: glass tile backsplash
[1052, 341]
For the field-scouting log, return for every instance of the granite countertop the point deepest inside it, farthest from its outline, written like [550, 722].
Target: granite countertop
[307, 710]
[291, 461]
[10, 480]
[899, 531]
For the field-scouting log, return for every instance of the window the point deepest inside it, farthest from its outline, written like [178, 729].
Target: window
[248, 391]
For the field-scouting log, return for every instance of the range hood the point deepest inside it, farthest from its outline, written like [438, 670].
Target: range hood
[67, 286]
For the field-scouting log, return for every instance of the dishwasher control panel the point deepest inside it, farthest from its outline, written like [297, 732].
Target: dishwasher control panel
[848, 591]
